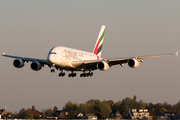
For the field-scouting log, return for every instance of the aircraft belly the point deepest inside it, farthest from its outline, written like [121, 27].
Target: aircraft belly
[64, 62]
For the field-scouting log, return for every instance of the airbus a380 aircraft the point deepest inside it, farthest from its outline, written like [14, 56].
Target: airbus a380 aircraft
[63, 58]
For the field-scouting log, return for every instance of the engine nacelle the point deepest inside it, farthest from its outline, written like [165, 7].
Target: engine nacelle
[36, 66]
[102, 65]
[18, 63]
[133, 63]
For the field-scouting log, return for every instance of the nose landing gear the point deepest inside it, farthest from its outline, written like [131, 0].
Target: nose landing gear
[53, 70]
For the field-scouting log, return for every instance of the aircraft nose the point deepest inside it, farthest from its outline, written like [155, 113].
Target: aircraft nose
[49, 58]
[52, 58]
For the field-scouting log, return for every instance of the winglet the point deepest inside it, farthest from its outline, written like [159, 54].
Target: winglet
[3, 54]
[177, 53]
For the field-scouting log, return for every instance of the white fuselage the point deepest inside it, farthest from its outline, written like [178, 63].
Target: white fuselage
[63, 56]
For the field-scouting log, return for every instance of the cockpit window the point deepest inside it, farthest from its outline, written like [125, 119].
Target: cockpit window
[52, 53]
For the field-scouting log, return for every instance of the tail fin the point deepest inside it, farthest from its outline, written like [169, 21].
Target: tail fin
[99, 43]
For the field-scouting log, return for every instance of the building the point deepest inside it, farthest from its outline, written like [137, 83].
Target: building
[91, 116]
[61, 114]
[138, 114]
[167, 115]
[3, 113]
[116, 115]
[35, 113]
[80, 115]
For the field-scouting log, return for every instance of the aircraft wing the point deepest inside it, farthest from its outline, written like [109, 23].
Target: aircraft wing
[28, 59]
[92, 64]
[140, 58]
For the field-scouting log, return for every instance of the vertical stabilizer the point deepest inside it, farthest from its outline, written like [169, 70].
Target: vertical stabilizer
[99, 43]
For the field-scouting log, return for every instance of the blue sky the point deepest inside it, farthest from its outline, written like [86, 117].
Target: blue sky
[133, 28]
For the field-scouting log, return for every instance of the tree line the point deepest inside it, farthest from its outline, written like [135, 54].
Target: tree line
[102, 109]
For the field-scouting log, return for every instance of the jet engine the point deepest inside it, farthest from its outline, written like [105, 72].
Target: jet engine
[133, 63]
[102, 65]
[18, 63]
[36, 66]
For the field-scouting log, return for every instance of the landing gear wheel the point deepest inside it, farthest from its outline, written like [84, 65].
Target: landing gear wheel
[72, 75]
[81, 75]
[52, 70]
[61, 74]
[86, 74]
[91, 74]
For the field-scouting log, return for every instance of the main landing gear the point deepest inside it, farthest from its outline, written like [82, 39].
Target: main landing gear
[61, 74]
[72, 74]
[86, 74]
